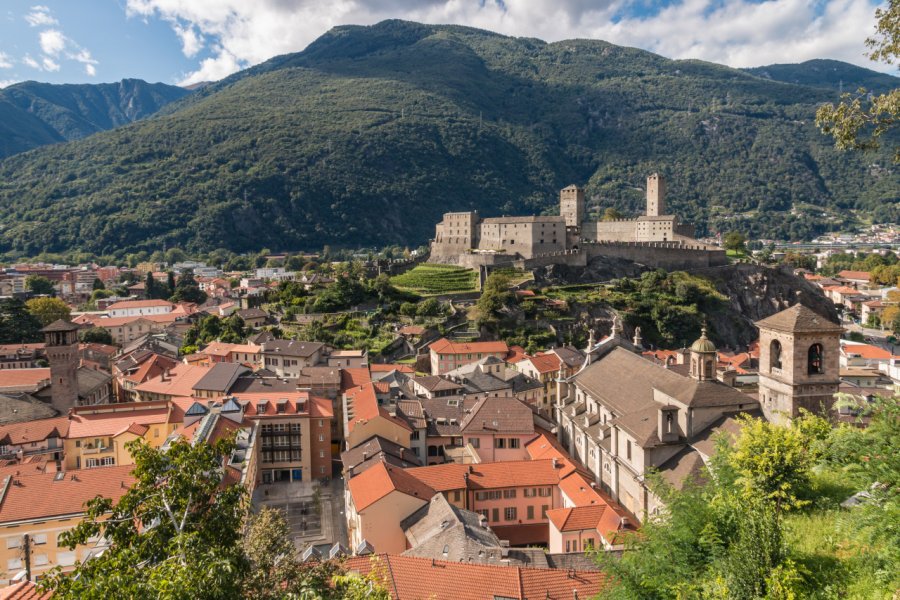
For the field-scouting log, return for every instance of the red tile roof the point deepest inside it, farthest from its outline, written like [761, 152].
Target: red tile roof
[24, 590]
[351, 378]
[33, 431]
[414, 578]
[364, 404]
[857, 275]
[180, 382]
[445, 346]
[520, 473]
[113, 419]
[578, 518]
[378, 481]
[546, 363]
[15, 378]
[577, 488]
[866, 351]
[44, 496]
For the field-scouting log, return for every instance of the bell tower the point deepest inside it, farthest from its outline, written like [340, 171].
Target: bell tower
[61, 338]
[703, 358]
[799, 355]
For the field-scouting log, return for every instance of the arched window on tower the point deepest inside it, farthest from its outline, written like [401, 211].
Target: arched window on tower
[814, 362]
[775, 355]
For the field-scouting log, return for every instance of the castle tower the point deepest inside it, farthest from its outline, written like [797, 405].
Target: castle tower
[703, 358]
[798, 363]
[571, 205]
[61, 338]
[656, 195]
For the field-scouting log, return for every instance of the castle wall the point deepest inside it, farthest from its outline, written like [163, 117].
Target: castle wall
[664, 255]
[455, 234]
[610, 231]
[655, 229]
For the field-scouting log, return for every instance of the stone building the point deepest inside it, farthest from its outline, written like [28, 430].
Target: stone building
[61, 338]
[466, 238]
[799, 363]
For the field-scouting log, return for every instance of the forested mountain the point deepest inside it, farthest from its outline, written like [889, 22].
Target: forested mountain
[371, 133]
[34, 114]
[832, 74]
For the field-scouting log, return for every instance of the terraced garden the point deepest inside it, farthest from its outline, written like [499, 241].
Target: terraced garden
[434, 279]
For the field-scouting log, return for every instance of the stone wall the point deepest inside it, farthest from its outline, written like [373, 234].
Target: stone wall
[665, 255]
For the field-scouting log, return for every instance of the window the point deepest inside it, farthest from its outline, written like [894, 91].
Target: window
[545, 492]
[775, 355]
[65, 559]
[530, 492]
[321, 454]
[530, 512]
[456, 496]
[514, 443]
[509, 513]
[628, 449]
[568, 546]
[321, 422]
[475, 442]
[321, 438]
[40, 560]
[495, 514]
[13, 564]
[814, 362]
[509, 494]
[500, 443]
[107, 461]
[544, 508]
[415, 435]
[39, 539]
[13, 542]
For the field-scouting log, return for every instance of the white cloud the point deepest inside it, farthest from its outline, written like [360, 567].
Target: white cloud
[39, 16]
[7, 82]
[52, 41]
[191, 42]
[735, 32]
[5, 61]
[48, 64]
[30, 62]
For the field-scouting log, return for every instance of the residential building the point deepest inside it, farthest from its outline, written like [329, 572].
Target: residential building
[36, 509]
[98, 435]
[287, 358]
[447, 356]
[41, 437]
[139, 308]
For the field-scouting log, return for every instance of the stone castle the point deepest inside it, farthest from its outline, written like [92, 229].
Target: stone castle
[655, 239]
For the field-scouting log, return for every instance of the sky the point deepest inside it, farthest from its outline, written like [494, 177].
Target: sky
[188, 41]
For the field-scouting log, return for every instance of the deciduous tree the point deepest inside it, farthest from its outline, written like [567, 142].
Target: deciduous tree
[48, 310]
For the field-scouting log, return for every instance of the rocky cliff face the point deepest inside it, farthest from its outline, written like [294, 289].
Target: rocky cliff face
[756, 293]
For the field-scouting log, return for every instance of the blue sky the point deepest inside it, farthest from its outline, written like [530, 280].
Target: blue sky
[185, 41]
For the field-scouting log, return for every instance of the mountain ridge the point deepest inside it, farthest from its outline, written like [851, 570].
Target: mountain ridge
[33, 114]
[371, 133]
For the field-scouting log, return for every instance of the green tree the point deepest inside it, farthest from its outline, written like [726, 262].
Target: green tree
[494, 297]
[40, 285]
[860, 120]
[188, 290]
[48, 310]
[735, 240]
[96, 335]
[612, 214]
[773, 462]
[17, 324]
[98, 284]
[176, 533]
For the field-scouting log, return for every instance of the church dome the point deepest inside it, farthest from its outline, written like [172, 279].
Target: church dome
[703, 345]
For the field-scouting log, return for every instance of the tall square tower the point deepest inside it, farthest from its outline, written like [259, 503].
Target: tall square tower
[799, 355]
[571, 205]
[656, 195]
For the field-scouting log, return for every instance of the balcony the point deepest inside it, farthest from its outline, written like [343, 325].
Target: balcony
[87, 450]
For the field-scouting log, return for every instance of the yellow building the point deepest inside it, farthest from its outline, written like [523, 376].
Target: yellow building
[36, 509]
[98, 434]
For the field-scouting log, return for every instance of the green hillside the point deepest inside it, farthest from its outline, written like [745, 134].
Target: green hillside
[831, 74]
[372, 133]
[34, 114]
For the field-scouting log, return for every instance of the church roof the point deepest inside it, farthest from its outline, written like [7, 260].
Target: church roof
[799, 319]
[703, 345]
[60, 325]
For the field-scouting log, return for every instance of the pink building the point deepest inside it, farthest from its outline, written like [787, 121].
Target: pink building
[583, 528]
[499, 429]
